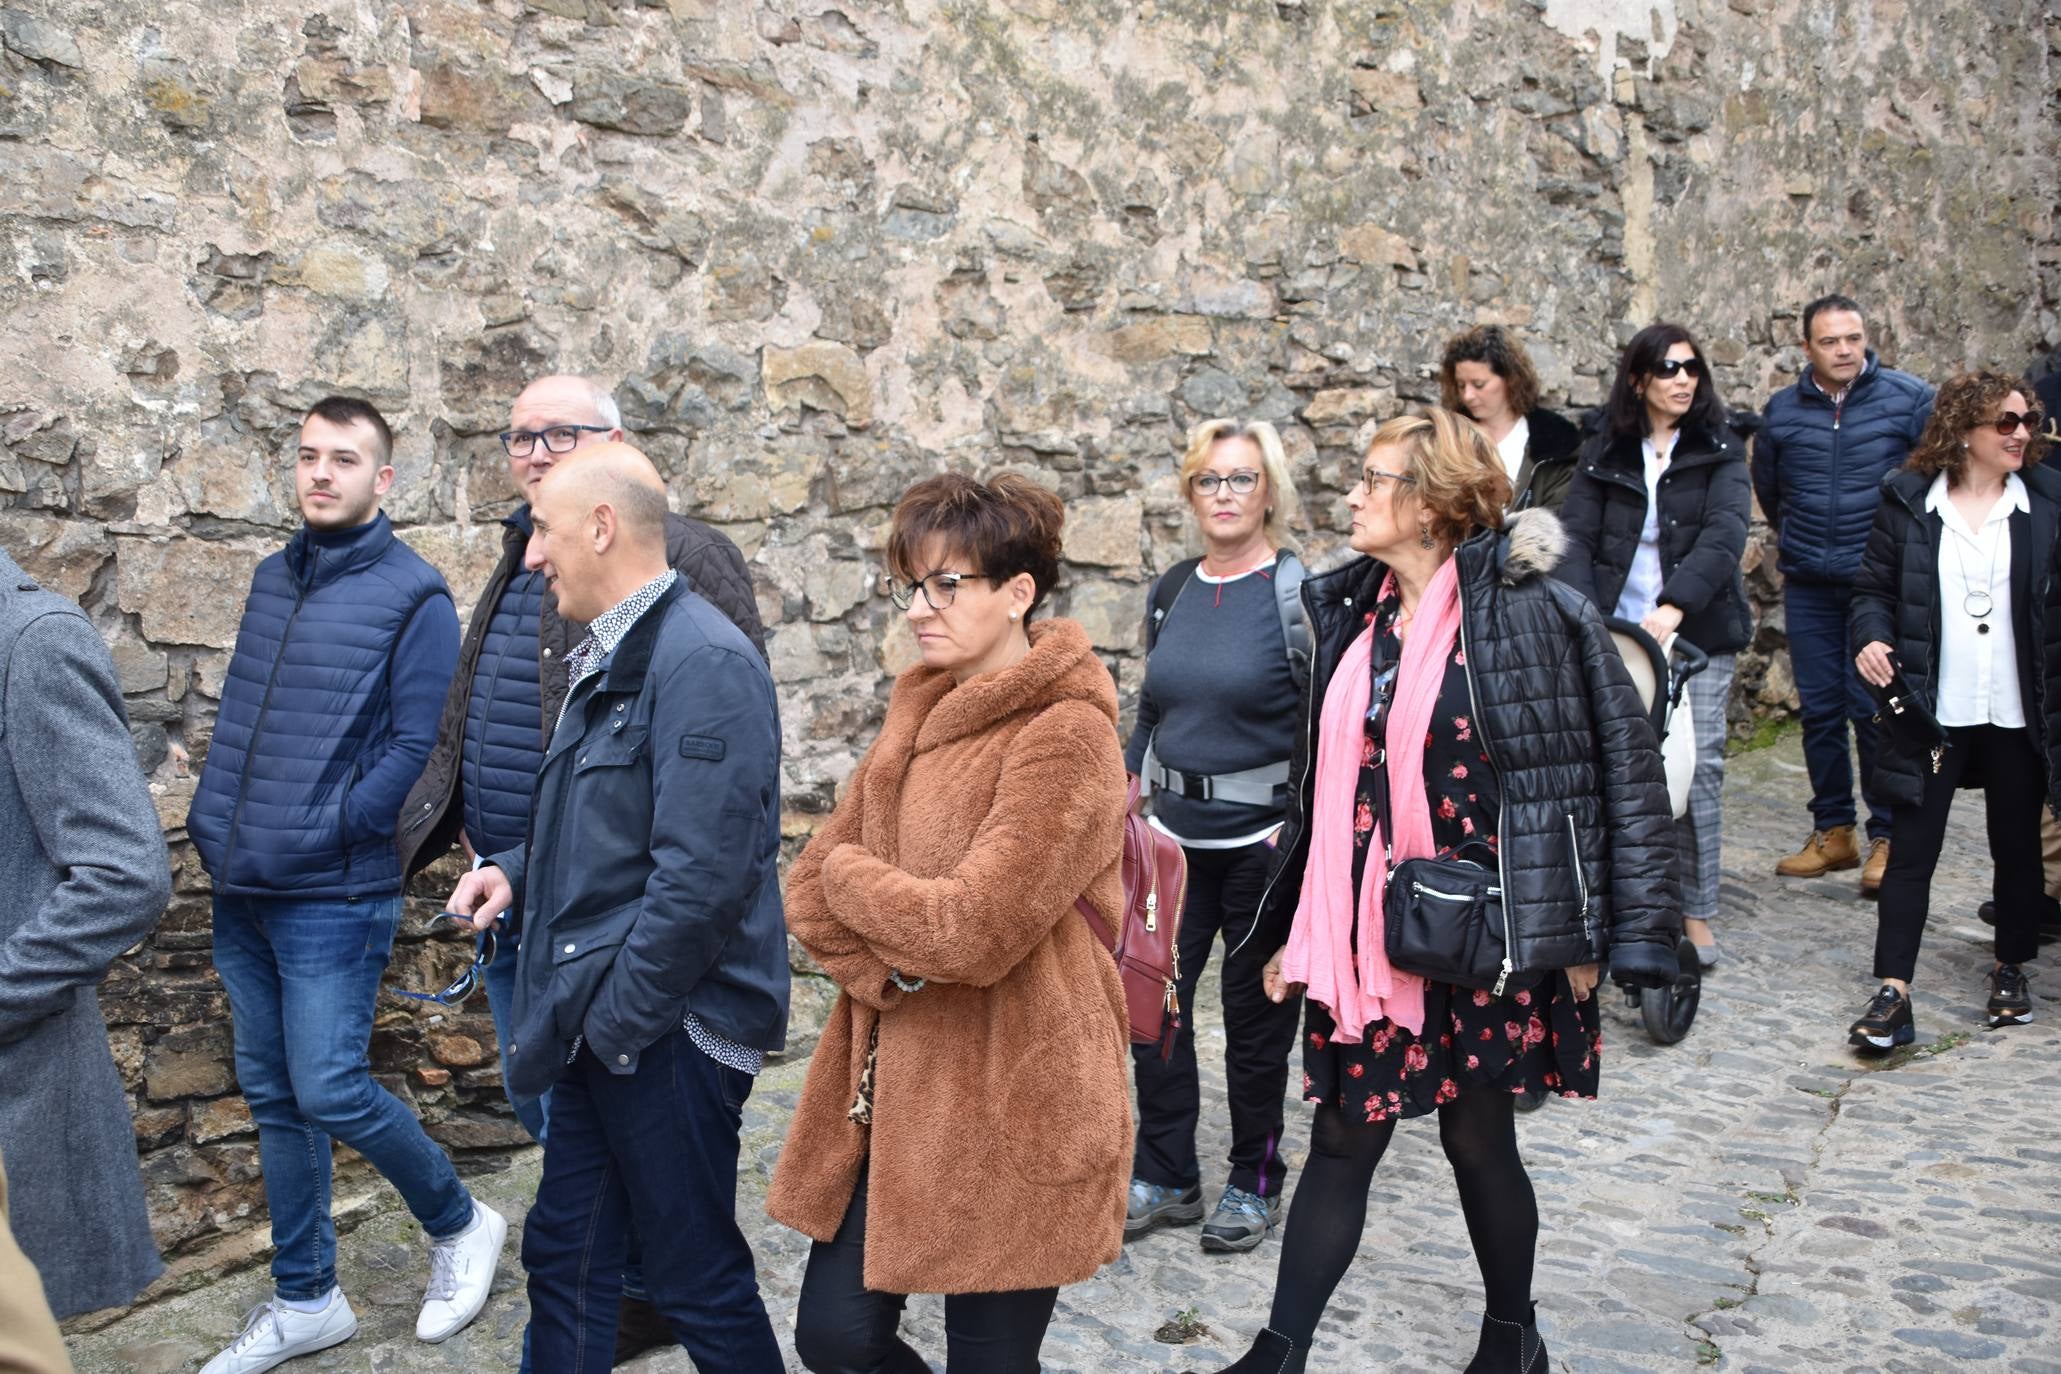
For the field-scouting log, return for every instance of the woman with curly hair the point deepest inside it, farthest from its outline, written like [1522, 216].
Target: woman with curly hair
[1466, 707]
[1948, 615]
[1487, 376]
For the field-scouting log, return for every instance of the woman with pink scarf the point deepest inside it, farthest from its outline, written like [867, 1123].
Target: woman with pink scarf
[1491, 699]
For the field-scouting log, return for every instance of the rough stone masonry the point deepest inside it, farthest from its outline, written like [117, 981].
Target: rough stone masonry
[823, 250]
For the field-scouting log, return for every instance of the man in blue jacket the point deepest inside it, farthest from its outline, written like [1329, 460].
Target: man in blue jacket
[328, 712]
[1818, 464]
[652, 976]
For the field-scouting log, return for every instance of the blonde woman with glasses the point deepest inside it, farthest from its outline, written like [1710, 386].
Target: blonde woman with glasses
[1226, 654]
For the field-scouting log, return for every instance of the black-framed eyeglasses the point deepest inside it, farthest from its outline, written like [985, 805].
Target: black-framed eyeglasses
[939, 589]
[2007, 423]
[460, 987]
[1243, 482]
[521, 443]
[1668, 367]
[1373, 477]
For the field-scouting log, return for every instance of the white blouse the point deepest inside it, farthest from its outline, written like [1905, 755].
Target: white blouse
[1644, 579]
[1978, 654]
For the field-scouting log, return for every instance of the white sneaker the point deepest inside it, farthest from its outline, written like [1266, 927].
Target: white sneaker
[461, 1274]
[273, 1334]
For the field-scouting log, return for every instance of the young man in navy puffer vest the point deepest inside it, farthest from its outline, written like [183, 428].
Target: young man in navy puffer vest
[331, 704]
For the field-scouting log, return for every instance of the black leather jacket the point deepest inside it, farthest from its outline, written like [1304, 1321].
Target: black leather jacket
[1586, 832]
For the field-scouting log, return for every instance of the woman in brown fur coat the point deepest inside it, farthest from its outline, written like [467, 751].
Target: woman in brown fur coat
[966, 1124]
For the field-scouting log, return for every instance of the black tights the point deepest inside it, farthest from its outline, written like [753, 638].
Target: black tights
[1479, 1132]
[843, 1327]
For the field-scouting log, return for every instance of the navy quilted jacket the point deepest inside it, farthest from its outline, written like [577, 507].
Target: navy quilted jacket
[1818, 469]
[328, 714]
[503, 747]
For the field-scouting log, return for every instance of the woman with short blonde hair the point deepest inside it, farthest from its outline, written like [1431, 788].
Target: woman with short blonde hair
[1226, 649]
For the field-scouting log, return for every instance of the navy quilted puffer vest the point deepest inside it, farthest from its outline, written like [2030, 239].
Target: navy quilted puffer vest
[503, 745]
[306, 711]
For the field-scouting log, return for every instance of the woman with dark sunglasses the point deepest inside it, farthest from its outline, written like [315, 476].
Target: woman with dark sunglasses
[1226, 652]
[1949, 610]
[1656, 527]
[1463, 705]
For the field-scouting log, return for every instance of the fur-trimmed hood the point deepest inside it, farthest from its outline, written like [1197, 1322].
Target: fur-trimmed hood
[1531, 545]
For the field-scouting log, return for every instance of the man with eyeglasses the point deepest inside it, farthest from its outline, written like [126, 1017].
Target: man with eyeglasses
[1824, 446]
[511, 682]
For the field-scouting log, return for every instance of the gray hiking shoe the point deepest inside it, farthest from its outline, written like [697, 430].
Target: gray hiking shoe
[1154, 1205]
[1241, 1221]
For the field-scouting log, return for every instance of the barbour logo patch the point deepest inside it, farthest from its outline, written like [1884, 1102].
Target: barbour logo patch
[701, 747]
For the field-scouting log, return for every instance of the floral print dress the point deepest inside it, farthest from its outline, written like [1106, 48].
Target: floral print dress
[1534, 1040]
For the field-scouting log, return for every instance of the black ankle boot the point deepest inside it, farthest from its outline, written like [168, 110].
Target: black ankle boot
[1507, 1348]
[1271, 1353]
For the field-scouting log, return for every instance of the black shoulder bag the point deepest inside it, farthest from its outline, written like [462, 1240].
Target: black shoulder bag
[1443, 919]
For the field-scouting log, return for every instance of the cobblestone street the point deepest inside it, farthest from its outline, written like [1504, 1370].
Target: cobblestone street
[1755, 1199]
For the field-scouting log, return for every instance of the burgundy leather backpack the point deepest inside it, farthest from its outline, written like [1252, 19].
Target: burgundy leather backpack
[1144, 938]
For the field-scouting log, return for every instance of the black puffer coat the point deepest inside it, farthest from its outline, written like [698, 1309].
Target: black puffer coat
[1571, 745]
[1896, 602]
[1705, 500]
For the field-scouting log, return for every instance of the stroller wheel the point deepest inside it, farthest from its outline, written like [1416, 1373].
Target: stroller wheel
[1530, 1101]
[1670, 1011]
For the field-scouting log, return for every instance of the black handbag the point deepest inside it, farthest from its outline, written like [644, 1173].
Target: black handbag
[1903, 714]
[1442, 919]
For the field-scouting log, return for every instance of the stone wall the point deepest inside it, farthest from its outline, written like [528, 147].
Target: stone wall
[825, 250]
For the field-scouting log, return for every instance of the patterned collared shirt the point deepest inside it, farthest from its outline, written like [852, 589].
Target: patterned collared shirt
[587, 660]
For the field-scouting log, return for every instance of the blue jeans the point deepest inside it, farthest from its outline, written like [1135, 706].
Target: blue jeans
[303, 977]
[658, 1146]
[1833, 698]
[532, 1112]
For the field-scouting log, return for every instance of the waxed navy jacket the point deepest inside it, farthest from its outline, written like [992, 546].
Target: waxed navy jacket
[1818, 468]
[328, 713]
[649, 885]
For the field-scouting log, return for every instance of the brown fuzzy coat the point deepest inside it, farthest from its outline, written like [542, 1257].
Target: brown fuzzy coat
[1001, 1135]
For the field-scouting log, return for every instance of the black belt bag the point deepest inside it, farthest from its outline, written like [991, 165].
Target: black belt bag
[1442, 919]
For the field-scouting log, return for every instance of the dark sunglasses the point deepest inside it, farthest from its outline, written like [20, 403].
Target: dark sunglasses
[461, 987]
[1668, 367]
[2008, 422]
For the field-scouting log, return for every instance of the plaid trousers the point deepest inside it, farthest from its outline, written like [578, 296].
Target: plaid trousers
[1699, 834]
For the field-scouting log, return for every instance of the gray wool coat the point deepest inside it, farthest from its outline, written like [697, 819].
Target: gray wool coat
[83, 876]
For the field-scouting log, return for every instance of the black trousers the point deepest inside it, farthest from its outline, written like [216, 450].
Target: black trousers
[1224, 887]
[2014, 790]
[842, 1327]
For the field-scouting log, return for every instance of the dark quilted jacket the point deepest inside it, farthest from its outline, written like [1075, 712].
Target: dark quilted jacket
[713, 567]
[1705, 504]
[503, 746]
[1570, 742]
[1549, 457]
[1818, 469]
[1896, 602]
[302, 781]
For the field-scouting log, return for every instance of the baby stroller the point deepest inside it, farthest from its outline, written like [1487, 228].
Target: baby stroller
[1660, 677]
[1667, 1011]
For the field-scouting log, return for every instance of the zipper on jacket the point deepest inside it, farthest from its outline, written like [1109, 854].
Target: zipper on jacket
[1502, 801]
[1581, 882]
[257, 729]
[1309, 761]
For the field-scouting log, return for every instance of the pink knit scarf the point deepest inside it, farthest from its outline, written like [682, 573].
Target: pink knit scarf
[1359, 987]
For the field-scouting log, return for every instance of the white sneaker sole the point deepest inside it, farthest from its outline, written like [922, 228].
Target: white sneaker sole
[304, 1348]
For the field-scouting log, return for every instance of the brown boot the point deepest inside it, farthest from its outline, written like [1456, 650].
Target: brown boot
[1826, 851]
[1878, 861]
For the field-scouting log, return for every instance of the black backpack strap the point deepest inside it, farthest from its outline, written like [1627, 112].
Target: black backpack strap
[1166, 590]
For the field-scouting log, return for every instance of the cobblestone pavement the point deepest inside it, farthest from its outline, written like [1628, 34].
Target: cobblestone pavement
[1754, 1199]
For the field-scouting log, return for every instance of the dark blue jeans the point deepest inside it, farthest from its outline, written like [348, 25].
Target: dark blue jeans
[303, 977]
[658, 1146]
[532, 1112]
[1833, 698]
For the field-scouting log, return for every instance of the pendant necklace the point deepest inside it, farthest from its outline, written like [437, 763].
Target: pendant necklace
[1977, 601]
